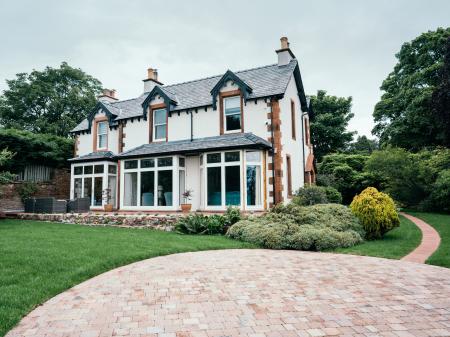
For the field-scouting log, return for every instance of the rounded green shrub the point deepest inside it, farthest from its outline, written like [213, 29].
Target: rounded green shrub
[313, 195]
[333, 195]
[376, 212]
[318, 227]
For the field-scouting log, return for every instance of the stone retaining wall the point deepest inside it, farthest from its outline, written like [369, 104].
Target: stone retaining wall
[154, 221]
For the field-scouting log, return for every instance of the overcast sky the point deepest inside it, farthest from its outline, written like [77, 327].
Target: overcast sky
[345, 47]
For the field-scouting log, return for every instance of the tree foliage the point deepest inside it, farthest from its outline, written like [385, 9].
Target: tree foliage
[363, 145]
[328, 126]
[31, 148]
[404, 116]
[5, 158]
[51, 101]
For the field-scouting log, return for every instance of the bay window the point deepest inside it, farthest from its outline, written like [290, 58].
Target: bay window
[149, 182]
[253, 178]
[232, 112]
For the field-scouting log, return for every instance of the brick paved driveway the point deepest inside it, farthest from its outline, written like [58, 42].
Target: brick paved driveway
[252, 293]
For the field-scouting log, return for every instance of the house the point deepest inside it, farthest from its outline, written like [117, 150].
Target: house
[241, 138]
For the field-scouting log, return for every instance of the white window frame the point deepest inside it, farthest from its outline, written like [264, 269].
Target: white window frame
[225, 130]
[159, 124]
[102, 134]
[175, 184]
[260, 164]
[105, 175]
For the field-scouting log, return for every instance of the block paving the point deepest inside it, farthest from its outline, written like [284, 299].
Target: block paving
[253, 293]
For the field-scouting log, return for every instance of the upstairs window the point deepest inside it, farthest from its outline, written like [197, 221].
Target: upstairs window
[232, 111]
[102, 135]
[160, 124]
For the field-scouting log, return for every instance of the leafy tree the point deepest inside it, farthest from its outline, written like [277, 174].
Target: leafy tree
[345, 172]
[404, 117]
[5, 157]
[440, 102]
[34, 149]
[328, 126]
[363, 145]
[51, 101]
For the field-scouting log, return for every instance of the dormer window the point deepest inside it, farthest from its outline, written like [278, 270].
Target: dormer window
[102, 135]
[160, 124]
[232, 112]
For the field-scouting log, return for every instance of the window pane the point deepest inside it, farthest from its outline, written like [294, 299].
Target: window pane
[160, 131]
[101, 128]
[112, 190]
[88, 188]
[181, 161]
[254, 156]
[214, 186]
[102, 141]
[165, 161]
[233, 122]
[160, 116]
[77, 170]
[130, 189]
[232, 105]
[182, 187]
[112, 169]
[98, 189]
[77, 187]
[146, 163]
[213, 158]
[165, 191]
[253, 185]
[232, 185]
[232, 156]
[98, 168]
[88, 169]
[131, 164]
[148, 188]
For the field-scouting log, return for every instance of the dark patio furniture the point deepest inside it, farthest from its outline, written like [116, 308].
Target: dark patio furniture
[29, 205]
[79, 205]
[50, 205]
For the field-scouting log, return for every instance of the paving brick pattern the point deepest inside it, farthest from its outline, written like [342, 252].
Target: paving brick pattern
[252, 293]
[430, 241]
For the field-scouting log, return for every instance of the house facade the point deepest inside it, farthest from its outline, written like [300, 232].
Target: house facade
[240, 138]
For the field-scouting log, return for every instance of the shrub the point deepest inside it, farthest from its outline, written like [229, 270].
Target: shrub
[318, 227]
[27, 189]
[232, 215]
[200, 224]
[312, 195]
[439, 198]
[376, 212]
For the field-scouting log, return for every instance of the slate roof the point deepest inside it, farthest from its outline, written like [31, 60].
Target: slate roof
[224, 142]
[265, 81]
[99, 155]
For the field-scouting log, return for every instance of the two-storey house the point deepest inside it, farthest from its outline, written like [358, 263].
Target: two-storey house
[240, 138]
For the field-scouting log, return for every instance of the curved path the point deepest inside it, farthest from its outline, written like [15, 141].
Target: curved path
[430, 241]
[252, 293]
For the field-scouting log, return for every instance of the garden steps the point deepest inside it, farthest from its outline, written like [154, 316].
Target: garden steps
[430, 241]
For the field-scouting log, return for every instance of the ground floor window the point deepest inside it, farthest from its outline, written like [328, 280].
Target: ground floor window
[149, 182]
[231, 178]
[96, 181]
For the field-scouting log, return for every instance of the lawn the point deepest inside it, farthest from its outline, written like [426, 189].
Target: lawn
[39, 260]
[395, 244]
[441, 222]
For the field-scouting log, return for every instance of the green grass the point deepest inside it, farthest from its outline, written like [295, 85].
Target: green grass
[441, 222]
[39, 260]
[395, 244]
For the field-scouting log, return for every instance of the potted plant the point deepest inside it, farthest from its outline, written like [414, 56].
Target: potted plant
[186, 207]
[107, 198]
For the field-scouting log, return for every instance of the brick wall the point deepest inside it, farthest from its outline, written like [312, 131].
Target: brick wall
[58, 187]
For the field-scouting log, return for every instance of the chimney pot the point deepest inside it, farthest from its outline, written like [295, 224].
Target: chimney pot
[284, 42]
[108, 95]
[152, 74]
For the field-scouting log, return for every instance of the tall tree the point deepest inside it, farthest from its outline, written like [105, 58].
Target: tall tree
[51, 101]
[404, 117]
[328, 126]
[363, 145]
[440, 102]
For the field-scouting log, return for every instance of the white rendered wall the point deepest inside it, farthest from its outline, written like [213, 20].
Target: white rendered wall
[292, 147]
[193, 180]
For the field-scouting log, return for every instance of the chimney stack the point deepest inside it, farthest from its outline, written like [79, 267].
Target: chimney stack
[152, 80]
[108, 95]
[285, 55]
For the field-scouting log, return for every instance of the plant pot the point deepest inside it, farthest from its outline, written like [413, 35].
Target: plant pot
[186, 208]
[108, 208]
